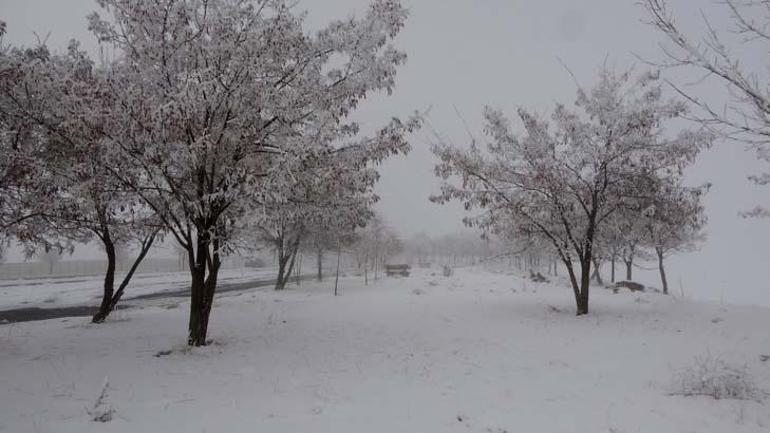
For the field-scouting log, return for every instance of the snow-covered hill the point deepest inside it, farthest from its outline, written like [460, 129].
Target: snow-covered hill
[478, 352]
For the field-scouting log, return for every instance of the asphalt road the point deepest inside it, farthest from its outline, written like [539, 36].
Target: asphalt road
[34, 313]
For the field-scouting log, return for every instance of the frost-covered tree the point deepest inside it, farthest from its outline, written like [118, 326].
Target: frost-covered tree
[374, 245]
[746, 117]
[624, 235]
[562, 180]
[673, 221]
[217, 97]
[76, 198]
[26, 186]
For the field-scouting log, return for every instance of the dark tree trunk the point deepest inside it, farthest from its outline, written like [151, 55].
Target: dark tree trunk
[109, 279]
[337, 275]
[574, 282]
[662, 269]
[613, 270]
[290, 268]
[110, 300]
[203, 286]
[197, 325]
[597, 273]
[286, 264]
[282, 261]
[585, 284]
[320, 258]
[629, 261]
[298, 268]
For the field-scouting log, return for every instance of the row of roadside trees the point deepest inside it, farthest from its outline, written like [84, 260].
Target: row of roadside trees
[595, 182]
[217, 125]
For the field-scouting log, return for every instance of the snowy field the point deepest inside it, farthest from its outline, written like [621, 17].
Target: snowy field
[87, 290]
[480, 352]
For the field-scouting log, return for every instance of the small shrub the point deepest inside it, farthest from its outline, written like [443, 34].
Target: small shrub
[712, 377]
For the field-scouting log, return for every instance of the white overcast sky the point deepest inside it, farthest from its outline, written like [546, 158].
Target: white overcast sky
[464, 54]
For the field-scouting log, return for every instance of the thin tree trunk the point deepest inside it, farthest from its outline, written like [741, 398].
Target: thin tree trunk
[585, 285]
[573, 280]
[298, 269]
[109, 278]
[210, 287]
[629, 261]
[613, 269]
[337, 275]
[286, 260]
[662, 269]
[281, 271]
[109, 303]
[290, 268]
[320, 259]
[597, 273]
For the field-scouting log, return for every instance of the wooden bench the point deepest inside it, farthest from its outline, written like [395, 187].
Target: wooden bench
[397, 270]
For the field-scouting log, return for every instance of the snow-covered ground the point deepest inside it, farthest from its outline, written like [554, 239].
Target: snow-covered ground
[479, 352]
[61, 292]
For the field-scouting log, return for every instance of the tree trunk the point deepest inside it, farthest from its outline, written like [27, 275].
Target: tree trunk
[662, 269]
[613, 270]
[198, 325]
[109, 279]
[109, 300]
[290, 268]
[210, 287]
[585, 284]
[597, 273]
[203, 286]
[286, 261]
[575, 286]
[282, 260]
[629, 261]
[320, 258]
[337, 276]
[298, 268]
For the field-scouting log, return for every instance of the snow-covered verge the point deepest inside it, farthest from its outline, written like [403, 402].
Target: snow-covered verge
[478, 352]
[59, 292]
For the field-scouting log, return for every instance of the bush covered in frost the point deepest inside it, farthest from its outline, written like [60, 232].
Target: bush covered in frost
[713, 377]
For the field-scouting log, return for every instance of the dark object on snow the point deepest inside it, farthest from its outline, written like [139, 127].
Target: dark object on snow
[630, 285]
[538, 277]
[397, 270]
[448, 271]
[764, 358]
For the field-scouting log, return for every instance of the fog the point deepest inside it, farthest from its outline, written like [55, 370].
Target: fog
[465, 54]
